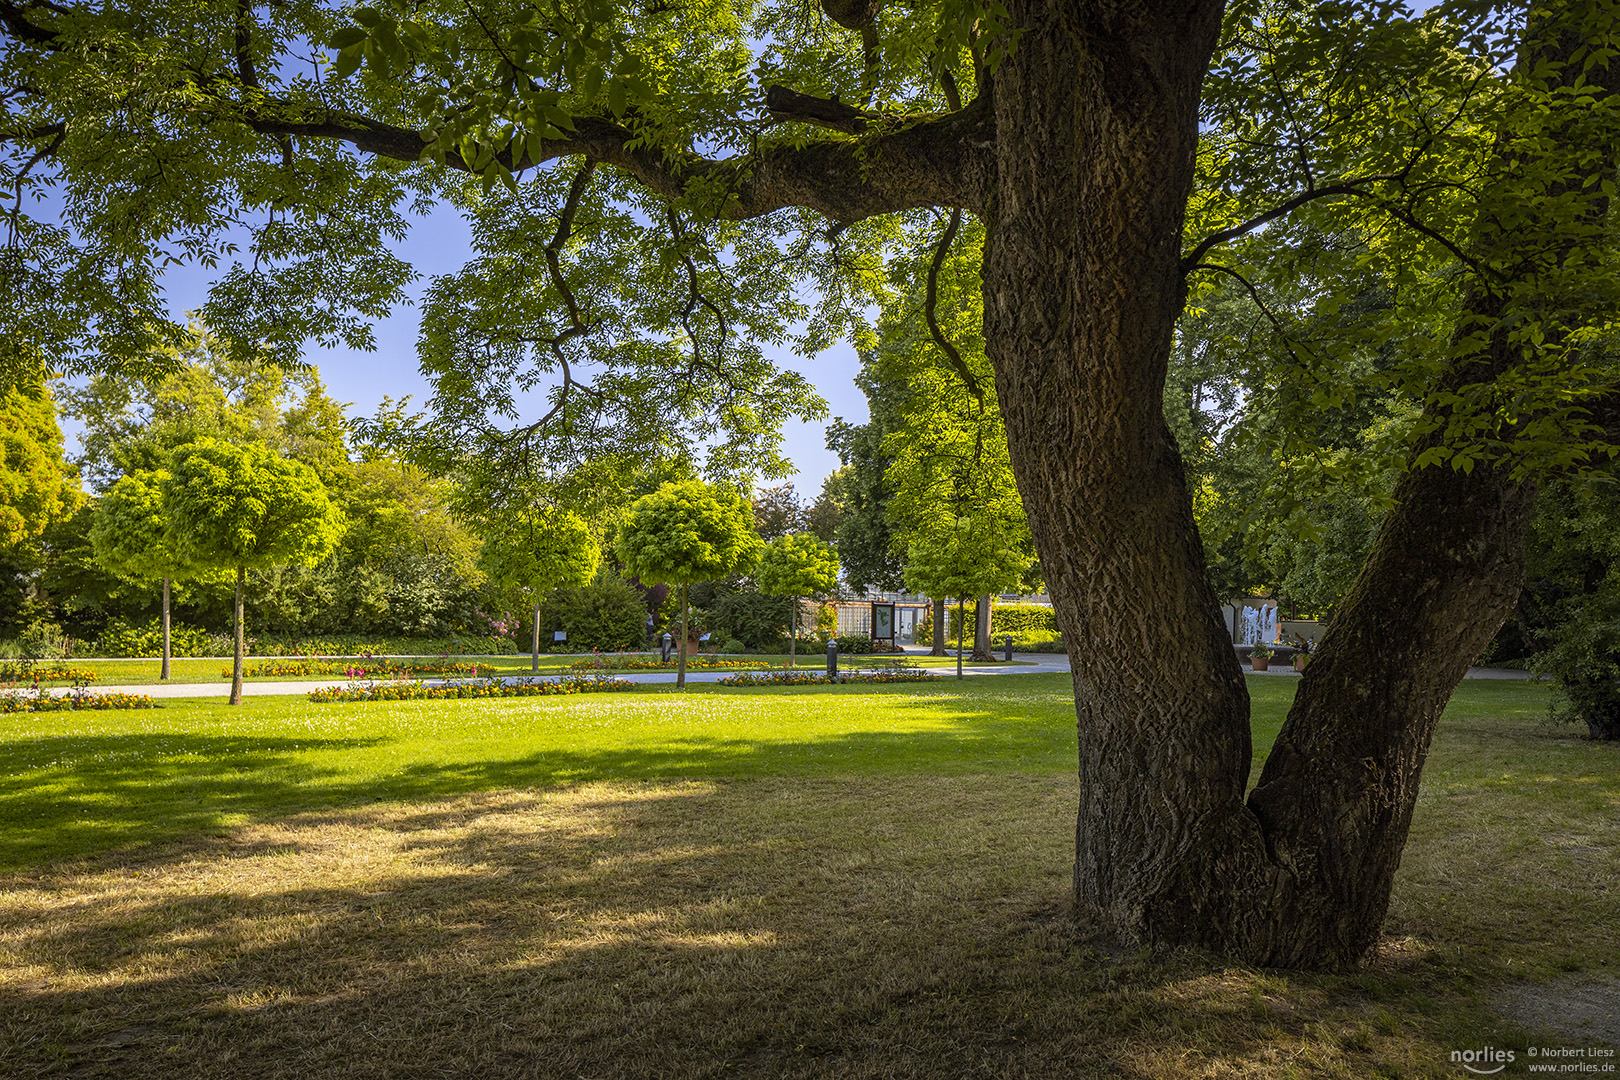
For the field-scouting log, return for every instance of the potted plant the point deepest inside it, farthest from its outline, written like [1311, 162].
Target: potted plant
[1260, 657]
[1302, 651]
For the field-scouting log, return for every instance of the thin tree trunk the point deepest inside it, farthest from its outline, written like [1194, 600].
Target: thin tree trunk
[793, 632]
[959, 620]
[939, 629]
[534, 646]
[163, 669]
[680, 665]
[241, 638]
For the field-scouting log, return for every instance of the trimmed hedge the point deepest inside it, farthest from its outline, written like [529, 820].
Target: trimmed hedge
[1037, 621]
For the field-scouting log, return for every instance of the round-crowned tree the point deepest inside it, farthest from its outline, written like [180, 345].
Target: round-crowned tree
[546, 548]
[962, 557]
[685, 532]
[233, 507]
[131, 537]
[795, 566]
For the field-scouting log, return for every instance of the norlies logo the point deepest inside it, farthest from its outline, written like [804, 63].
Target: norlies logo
[1486, 1061]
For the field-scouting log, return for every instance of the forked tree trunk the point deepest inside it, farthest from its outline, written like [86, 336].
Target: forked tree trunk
[163, 668]
[1096, 123]
[241, 638]
[939, 630]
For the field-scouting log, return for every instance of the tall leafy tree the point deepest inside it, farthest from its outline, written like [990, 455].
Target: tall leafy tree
[961, 557]
[795, 566]
[546, 548]
[685, 532]
[637, 226]
[36, 487]
[133, 537]
[234, 507]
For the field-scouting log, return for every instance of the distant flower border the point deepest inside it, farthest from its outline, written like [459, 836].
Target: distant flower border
[363, 669]
[30, 672]
[816, 678]
[20, 703]
[485, 688]
[693, 663]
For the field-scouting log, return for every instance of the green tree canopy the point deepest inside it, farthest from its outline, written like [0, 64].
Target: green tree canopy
[797, 565]
[36, 487]
[684, 532]
[234, 507]
[546, 548]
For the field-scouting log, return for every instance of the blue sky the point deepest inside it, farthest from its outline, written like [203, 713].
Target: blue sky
[440, 244]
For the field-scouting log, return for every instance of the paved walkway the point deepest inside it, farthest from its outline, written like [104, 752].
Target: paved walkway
[1027, 664]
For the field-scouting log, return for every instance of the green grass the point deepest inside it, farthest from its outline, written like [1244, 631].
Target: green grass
[85, 781]
[144, 672]
[795, 882]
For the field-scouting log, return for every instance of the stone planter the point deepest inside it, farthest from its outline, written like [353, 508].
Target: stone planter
[1260, 663]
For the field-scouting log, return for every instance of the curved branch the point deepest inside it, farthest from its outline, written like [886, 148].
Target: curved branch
[1259, 302]
[1192, 260]
[931, 303]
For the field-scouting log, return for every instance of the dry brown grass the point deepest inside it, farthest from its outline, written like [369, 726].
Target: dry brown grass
[864, 927]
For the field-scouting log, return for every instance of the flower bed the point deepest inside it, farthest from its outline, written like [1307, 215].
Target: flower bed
[368, 669]
[31, 671]
[17, 703]
[693, 663]
[486, 688]
[817, 678]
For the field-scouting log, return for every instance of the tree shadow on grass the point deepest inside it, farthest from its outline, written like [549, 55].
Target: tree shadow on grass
[899, 926]
[74, 796]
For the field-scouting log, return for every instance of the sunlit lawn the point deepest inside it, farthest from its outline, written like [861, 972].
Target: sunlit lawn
[852, 882]
[142, 672]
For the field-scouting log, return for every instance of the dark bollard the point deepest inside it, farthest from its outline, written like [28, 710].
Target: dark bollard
[1009, 648]
[832, 659]
[668, 644]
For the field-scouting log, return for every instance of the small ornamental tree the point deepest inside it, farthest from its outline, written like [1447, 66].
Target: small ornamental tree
[963, 557]
[685, 532]
[547, 548]
[234, 507]
[131, 537]
[796, 565]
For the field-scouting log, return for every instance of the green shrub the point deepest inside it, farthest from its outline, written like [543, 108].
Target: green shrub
[854, 644]
[608, 614]
[733, 646]
[124, 639]
[1584, 658]
[749, 616]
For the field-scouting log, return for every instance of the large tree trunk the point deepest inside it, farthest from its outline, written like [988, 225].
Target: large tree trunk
[1096, 120]
[241, 638]
[1096, 114]
[983, 650]
[939, 630]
